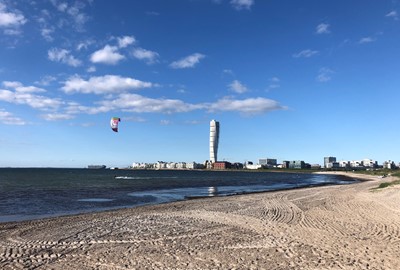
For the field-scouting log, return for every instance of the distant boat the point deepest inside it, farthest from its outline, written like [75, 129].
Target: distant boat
[96, 166]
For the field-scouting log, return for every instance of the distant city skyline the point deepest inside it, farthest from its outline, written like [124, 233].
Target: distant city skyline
[291, 80]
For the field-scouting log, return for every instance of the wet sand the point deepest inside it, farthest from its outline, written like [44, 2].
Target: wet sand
[331, 227]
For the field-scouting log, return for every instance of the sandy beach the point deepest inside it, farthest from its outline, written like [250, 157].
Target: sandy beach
[331, 227]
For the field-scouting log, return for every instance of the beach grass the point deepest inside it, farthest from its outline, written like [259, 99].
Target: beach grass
[390, 183]
[387, 184]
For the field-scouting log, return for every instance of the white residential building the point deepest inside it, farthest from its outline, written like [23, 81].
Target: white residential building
[369, 163]
[389, 165]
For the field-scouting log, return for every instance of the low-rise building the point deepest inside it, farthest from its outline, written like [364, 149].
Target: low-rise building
[328, 162]
[344, 164]
[221, 165]
[297, 164]
[285, 164]
[268, 162]
[389, 165]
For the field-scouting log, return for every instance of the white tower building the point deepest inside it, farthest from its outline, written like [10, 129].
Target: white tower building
[214, 138]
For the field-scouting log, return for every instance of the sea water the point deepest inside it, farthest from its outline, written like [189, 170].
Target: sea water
[32, 193]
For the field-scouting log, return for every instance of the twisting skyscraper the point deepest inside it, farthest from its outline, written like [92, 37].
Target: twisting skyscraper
[214, 138]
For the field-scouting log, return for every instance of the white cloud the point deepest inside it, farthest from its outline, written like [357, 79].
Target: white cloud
[228, 72]
[250, 106]
[8, 118]
[84, 44]
[10, 19]
[63, 56]
[322, 28]
[12, 32]
[366, 40]
[91, 69]
[242, 4]
[165, 122]
[47, 34]
[62, 6]
[134, 119]
[305, 53]
[74, 12]
[237, 87]
[56, 116]
[392, 14]
[129, 102]
[140, 104]
[107, 55]
[149, 57]
[19, 87]
[274, 83]
[187, 62]
[324, 75]
[103, 84]
[26, 98]
[275, 80]
[46, 80]
[126, 41]
[26, 95]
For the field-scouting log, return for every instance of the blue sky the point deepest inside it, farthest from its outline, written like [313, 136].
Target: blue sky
[286, 79]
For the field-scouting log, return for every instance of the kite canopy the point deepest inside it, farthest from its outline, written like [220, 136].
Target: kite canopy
[114, 123]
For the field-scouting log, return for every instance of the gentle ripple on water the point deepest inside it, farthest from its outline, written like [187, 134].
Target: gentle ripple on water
[29, 193]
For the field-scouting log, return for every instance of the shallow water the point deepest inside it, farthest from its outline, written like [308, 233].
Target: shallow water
[30, 193]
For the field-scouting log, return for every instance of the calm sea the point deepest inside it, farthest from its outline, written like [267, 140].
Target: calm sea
[31, 193]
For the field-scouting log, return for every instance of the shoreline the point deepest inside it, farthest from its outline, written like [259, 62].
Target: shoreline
[328, 227]
[363, 177]
[357, 177]
[24, 218]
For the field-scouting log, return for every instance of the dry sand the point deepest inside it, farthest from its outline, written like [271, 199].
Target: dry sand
[334, 227]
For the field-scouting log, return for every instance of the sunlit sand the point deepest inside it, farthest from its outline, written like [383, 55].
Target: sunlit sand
[332, 227]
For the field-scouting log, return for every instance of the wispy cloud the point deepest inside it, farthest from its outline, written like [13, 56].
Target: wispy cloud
[47, 33]
[242, 4]
[140, 104]
[19, 87]
[322, 28]
[63, 56]
[274, 83]
[103, 84]
[149, 57]
[187, 62]
[392, 14]
[74, 12]
[152, 13]
[11, 19]
[84, 44]
[324, 75]
[366, 40]
[8, 118]
[46, 80]
[237, 87]
[108, 55]
[250, 106]
[57, 116]
[228, 72]
[305, 53]
[55, 109]
[165, 122]
[26, 95]
[125, 41]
